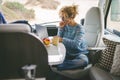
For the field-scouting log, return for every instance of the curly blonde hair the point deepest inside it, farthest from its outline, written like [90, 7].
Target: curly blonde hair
[69, 11]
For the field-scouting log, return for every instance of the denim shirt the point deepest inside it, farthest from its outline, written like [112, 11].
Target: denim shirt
[73, 40]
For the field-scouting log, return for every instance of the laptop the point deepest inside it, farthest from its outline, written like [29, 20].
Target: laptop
[41, 31]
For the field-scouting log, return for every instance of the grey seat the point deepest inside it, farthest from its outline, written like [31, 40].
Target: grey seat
[20, 47]
[93, 25]
[99, 74]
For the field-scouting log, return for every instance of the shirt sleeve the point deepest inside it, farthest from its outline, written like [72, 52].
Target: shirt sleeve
[76, 42]
[60, 32]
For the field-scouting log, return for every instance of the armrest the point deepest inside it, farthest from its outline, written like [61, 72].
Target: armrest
[96, 48]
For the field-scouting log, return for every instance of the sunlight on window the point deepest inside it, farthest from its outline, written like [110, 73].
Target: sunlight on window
[113, 24]
[41, 11]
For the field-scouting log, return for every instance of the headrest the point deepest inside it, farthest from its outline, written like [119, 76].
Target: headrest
[93, 16]
[15, 28]
[93, 20]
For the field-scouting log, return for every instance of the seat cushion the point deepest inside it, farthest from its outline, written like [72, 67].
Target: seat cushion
[106, 58]
[115, 77]
[115, 70]
[99, 74]
[74, 73]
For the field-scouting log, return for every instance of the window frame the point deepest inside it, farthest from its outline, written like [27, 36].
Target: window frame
[107, 7]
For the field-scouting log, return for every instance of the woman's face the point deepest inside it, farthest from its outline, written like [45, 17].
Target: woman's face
[65, 18]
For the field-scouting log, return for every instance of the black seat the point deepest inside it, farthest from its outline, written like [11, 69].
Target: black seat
[20, 47]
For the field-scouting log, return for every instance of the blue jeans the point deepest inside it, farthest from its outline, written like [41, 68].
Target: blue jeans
[78, 62]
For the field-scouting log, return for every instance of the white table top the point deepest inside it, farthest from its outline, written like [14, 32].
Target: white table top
[56, 54]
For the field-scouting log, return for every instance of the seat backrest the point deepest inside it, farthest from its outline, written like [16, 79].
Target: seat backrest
[94, 27]
[15, 28]
[22, 22]
[19, 47]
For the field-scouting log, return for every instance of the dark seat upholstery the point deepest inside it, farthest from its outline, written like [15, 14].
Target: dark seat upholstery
[19, 48]
[96, 73]
[99, 74]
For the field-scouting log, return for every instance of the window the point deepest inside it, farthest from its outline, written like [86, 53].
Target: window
[113, 19]
[42, 11]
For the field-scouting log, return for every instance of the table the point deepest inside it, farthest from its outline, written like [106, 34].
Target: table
[56, 54]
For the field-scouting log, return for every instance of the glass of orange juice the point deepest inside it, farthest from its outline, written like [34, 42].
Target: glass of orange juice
[55, 40]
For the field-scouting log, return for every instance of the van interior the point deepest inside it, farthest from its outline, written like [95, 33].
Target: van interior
[24, 25]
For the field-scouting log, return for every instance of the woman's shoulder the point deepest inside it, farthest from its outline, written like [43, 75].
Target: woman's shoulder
[78, 26]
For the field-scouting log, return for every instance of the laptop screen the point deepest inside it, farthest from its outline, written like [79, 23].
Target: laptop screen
[41, 31]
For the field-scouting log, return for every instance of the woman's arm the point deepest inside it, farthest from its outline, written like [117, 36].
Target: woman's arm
[60, 32]
[76, 42]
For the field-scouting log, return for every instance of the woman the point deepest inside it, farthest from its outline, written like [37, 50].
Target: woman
[70, 33]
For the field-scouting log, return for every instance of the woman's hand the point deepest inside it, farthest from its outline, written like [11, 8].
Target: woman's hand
[62, 24]
[58, 38]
